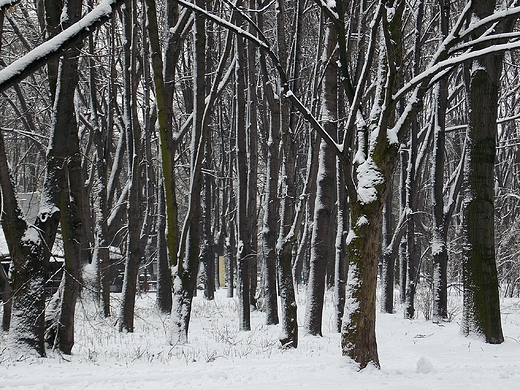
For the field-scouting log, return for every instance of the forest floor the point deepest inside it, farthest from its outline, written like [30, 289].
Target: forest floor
[414, 354]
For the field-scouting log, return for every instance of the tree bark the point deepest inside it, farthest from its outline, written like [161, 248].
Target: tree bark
[244, 238]
[323, 224]
[481, 311]
[286, 238]
[135, 242]
[5, 293]
[388, 261]
[440, 219]
[186, 273]
[164, 276]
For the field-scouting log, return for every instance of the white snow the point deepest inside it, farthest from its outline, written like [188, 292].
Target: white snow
[4, 249]
[7, 3]
[414, 354]
[53, 44]
[369, 177]
[331, 3]
[350, 236]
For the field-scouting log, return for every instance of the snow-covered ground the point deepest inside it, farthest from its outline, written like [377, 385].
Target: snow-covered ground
[414, 355]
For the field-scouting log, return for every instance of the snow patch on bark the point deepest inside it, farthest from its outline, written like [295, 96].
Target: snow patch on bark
[362, 221]
[353, 284]
[351, 236]
[369, 177]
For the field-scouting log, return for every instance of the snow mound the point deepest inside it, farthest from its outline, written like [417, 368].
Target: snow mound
[424, 366]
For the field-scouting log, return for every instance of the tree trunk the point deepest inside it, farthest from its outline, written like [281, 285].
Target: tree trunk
[5, 293]
[244, 239]
[135, 247]
[187, 270]
[388, 266]
[100, 266]
[164, 276]
[403, 246]
[481, 311]
[207, 250]
[252, 163]
[286, 239]
[323, 224]
[440, 219]
[412, 270]
[271, 212]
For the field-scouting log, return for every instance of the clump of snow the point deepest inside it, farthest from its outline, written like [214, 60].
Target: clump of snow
[350, 236]
[362, 221]
[424, 366]
[369, 176]
[392, 137]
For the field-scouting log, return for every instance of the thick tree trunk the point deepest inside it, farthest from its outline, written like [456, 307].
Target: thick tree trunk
[71, 201]
[358, 334]
[29, 246]
[374, 164]
[481, 311]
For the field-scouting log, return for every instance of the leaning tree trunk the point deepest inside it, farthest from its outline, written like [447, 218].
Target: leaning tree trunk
[61, 311]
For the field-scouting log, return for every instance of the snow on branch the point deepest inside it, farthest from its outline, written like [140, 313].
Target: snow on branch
[441, 63]
[7, 3]
[494, 18]
[263, 45]
[38, 57]
[430, 73]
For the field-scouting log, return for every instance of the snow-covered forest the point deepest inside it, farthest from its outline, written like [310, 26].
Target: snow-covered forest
[255, 179]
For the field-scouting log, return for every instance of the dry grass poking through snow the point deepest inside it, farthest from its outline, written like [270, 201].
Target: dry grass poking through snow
[213, 334]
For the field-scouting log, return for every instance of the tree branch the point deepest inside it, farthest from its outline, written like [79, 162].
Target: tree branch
[26, 65]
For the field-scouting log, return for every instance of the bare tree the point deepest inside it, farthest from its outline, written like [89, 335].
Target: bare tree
[325, 194]
[481, 311]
